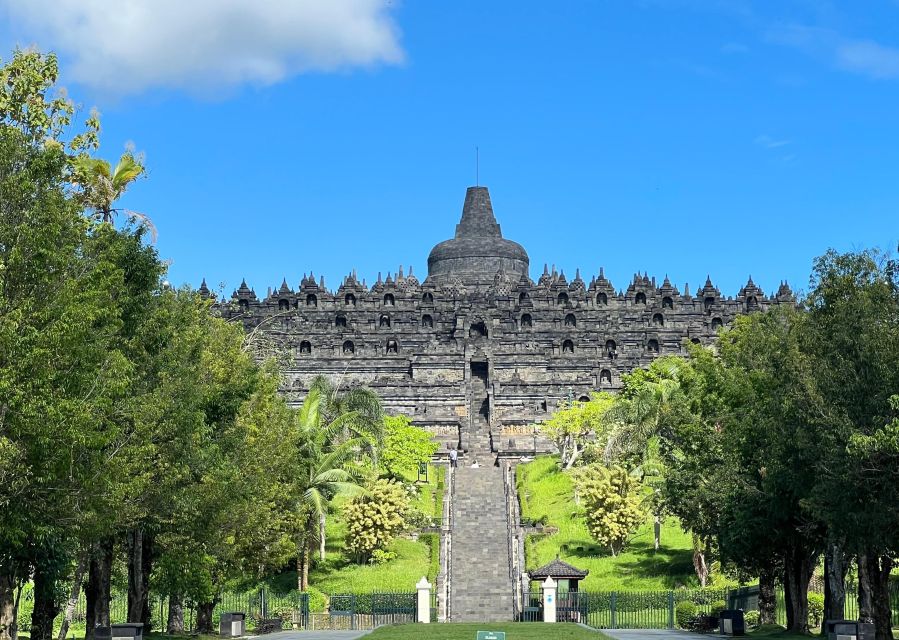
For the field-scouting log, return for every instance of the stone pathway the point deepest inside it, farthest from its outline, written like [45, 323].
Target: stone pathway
[481, 589]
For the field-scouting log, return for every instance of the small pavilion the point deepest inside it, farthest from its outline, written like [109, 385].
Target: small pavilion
[565, 575]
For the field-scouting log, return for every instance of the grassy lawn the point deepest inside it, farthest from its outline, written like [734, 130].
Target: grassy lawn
[519, 631]
[339, 574]
[546, 494]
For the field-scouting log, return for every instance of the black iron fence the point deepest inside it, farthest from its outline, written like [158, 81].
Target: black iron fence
[665, 609]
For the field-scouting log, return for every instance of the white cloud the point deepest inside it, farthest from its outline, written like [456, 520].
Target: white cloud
[768, 142]
[869, 58]
[864, 57]
[129, 46]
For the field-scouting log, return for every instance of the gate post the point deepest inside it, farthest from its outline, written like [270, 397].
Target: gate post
[549, 600]
[613, 601]
[670, 609]
[424, 600]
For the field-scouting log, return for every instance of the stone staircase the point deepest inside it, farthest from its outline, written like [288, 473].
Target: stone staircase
[480, 586]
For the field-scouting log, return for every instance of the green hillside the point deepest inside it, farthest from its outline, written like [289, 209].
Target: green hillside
[546, 495]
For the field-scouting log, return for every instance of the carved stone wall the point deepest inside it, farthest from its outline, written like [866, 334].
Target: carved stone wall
[417, 344]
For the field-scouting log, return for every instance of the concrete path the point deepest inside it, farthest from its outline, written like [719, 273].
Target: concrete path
[656, 634]
[314, 635]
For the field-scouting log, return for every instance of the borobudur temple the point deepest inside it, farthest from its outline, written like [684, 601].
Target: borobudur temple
[478, 352]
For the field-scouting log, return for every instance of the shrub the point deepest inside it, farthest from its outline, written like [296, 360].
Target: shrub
[317, 600]
[374, 518]
[612, 504]
[684, 612]
[815, 609]
[433, 541]
[380, 556]
[717, 607]
[751, 618]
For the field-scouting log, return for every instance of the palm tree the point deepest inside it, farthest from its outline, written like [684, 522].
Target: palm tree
[101, 186]
[327, 445]
[638, 422]
[362, 417]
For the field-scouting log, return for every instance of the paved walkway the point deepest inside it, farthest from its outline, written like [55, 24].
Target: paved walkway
[315, 635]
[656, 634]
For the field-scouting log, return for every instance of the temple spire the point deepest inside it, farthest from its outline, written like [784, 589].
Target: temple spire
[477, 215]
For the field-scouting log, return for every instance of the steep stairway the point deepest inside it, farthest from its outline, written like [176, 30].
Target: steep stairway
[480, 586]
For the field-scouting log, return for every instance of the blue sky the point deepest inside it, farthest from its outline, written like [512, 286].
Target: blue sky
[675, 137]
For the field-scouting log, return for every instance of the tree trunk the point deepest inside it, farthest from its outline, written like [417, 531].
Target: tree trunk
[46, 607]
[799, 563]
[305, 569]
[657, 532]
[321, 537]
[767, 596]
[878, 573]
[204, 617]
[835, 567]
[74, 592]
[8, 610]
[699, 562]
[97, 592]
[140, 564]
[865, 591]
[175, 624]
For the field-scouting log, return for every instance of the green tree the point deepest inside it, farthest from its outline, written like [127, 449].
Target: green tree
[854, 336]
[326, 454]
[101, 186]
[404, 448]
[572, 426]
[613, 504]
[374, 518]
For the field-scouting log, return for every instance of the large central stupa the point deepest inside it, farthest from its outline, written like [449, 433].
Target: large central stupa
[478, 250]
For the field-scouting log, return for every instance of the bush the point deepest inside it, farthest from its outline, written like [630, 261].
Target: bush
[717, 607]
[433, 541]
[613, 506]
[751, 618]
[374, 518]
[815, 609]
[380, 556]
[684, 612]
[317, 600]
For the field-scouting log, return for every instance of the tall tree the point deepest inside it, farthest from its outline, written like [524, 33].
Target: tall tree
[854, 335]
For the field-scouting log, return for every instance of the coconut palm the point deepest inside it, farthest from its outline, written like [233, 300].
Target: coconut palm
[327, 445]
[101, 186]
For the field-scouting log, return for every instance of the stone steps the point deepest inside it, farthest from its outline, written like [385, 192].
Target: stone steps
[481, 589]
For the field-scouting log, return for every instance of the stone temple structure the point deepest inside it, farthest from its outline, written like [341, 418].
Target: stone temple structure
[478, 351]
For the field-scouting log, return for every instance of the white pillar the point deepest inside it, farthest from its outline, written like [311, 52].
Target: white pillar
[424, 600]
[549, 600]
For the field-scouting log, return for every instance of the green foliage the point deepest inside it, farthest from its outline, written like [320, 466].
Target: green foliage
[684, 612]
[815, 609]
[612, 504]
[318, 601]
[751, 618]
[545, 491]
[433, 542]
[374, 518]
[571, 426]
[404, 448]
[717, 607]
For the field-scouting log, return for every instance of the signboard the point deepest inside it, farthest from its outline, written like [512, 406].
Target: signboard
[491, 635]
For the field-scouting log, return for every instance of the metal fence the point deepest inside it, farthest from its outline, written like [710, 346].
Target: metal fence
[658, 609]
[363, 611]
[850, 608]
[622, 609]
